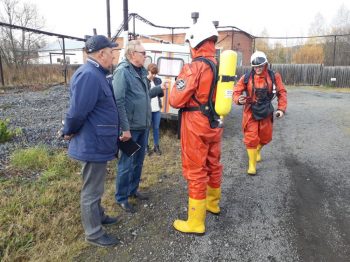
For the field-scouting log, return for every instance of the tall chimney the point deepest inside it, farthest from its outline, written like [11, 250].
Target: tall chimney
[194, 16]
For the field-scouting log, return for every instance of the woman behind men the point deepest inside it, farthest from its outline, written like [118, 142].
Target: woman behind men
[156, 105]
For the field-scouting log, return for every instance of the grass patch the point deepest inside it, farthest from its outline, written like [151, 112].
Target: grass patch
[168, 163]
[40, 216]
[31, 159]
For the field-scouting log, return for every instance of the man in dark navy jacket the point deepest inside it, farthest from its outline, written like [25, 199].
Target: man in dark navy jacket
[92, 127]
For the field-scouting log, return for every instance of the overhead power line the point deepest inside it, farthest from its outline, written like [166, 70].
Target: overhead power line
[40, 31]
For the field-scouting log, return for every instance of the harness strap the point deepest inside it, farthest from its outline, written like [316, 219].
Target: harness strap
[209, 103]
[179, 117]
[271, 73]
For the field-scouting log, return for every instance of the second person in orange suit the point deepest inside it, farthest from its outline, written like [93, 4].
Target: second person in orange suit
[259, 89]
[200, 144]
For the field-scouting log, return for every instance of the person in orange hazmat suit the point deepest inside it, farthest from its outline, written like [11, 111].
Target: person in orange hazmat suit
[261, 86]
[200, 143]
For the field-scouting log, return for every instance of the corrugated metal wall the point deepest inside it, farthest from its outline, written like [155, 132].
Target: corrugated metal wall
[309, 74]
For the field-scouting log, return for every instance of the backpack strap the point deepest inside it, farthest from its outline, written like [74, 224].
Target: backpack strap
[214, 69]
[246, 77]
[272, 77]
[208, 108]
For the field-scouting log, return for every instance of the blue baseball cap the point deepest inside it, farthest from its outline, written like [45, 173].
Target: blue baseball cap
[98, 42]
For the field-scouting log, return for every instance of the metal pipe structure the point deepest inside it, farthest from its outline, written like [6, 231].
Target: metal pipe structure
[195, 16]
[126, 11]
[27, 29]
[1, 72]
[108, 19]
[126, 22]
[334, 49]
[232, 31]
[40, 31]
[64, 61]
[134, 28]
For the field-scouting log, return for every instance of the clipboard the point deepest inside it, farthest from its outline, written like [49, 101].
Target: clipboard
[129, 147]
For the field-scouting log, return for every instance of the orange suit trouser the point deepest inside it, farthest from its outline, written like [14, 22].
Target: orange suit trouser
[201, 152]
[256, 131]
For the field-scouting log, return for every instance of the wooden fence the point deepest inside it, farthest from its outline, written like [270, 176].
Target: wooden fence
[309, 74]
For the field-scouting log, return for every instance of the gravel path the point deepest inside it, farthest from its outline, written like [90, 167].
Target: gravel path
[37, 113]
[296, 209]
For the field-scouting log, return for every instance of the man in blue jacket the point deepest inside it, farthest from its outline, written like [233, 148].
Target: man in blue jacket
[133, 97]
[92, 127]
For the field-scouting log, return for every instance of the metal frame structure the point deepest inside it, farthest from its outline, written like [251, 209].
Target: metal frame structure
[135, 16]
[26, 29]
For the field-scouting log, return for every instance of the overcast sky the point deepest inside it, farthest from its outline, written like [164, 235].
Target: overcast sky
[279, 18]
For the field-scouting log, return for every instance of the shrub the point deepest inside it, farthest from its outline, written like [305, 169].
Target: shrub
[6, 134]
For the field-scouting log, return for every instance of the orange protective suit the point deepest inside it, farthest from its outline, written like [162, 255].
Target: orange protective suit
[259, 131]
[200, 144]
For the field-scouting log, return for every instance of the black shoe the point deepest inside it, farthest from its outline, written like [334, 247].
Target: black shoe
[104, 241]
[110, 220]
[157, 150]
[127, 207]
[140, 196]
[149, 151]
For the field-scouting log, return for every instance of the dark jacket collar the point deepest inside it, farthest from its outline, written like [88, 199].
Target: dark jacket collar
[97, 65]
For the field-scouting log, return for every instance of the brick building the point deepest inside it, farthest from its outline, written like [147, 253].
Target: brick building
[237, 40]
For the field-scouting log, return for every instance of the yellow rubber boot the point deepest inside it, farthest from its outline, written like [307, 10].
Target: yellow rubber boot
[258, 156]
[195, 223]
[213, 199]
[252, 153]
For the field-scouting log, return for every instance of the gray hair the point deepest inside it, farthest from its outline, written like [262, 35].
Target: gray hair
[131, 47]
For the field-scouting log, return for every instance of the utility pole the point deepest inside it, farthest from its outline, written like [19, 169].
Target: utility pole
[126, 22]
[334, 49]
[1, 72]
[108, 19]
[64, 61]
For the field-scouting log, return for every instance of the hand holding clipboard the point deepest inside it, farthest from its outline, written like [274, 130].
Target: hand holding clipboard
[127, 145]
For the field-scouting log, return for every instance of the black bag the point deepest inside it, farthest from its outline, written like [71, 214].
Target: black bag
[262, 109]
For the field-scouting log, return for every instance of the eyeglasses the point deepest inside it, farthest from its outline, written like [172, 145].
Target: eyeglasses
[142, 53]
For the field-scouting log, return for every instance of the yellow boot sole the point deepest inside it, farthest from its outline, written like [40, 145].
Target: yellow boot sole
[214, 212]
[184, 227]
[251, 173]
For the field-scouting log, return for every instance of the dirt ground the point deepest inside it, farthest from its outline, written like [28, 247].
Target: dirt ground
[296, 208]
